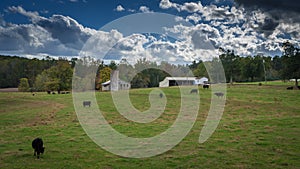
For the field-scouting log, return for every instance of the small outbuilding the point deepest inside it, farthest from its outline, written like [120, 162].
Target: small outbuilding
[121, 85]
[201, 81]
[115, 84]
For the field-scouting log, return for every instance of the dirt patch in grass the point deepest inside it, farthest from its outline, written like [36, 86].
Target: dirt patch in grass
[9, 90]
[45, 117]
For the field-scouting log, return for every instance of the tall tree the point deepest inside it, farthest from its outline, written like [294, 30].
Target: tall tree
[291, 62]
[230, 63]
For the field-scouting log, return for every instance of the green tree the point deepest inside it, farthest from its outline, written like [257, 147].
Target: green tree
[230, 63]
[291, 62]
[40, 81]
[252, 68]
[140, 81]
[23, 85]
[113, 65]
[58, 77]
[200, 71]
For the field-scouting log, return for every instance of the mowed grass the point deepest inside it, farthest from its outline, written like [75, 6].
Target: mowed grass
[260, 128]
[272, 83]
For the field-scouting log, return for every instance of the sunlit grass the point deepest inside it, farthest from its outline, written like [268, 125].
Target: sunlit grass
[260, 128]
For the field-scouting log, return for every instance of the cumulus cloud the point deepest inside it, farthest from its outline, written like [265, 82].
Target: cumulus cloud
[120, 8]
[18, 9]
[249, 28]
[57, 35]
[192, 6]
[280, 11]
[245, 31]
[166, 4]
[67, 30]
[144, 9]
[31, 39]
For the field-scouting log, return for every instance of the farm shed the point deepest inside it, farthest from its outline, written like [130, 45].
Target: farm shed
[182, 81]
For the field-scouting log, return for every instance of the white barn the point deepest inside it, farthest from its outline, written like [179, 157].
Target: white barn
[182, 81]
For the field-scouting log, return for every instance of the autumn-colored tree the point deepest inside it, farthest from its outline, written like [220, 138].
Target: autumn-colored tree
[103, 76]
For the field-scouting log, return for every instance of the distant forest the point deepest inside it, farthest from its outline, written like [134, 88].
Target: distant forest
[56, 74]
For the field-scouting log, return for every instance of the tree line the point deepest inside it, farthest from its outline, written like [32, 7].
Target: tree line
[56, 74]
[257, 67]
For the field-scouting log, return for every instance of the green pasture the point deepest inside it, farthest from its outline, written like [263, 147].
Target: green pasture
[272, 83]
[260, 128]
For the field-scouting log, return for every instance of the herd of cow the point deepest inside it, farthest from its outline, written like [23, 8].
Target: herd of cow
[37, 144]
[58, 92]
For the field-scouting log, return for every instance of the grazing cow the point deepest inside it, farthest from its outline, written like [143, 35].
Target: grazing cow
[48, 91]
[219, 94]
[37, 145]
[194, 91]
[290, 88]
[205, 86]
[86, 103]
[161, 95]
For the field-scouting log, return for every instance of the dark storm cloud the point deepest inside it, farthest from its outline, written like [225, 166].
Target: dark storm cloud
[283, 5]
[278, 11]
[15, 37]
[65, 29]
[57, 35]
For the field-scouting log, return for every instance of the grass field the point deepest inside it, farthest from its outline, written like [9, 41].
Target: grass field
[260, 128]
[272, 83]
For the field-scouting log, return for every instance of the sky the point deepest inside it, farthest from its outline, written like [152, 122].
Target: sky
[63, 28]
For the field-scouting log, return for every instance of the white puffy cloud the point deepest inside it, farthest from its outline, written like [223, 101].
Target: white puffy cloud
[18, 9]
[120, 8]
[166, 4]
[192, 6]
[235, 28]
[247, 33]
[144, 9]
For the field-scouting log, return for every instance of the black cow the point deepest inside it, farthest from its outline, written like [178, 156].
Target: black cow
[194, 91]
[219, 94]
[86, 103]
[37, 145]
[161, 95]
[205, 86]
[290, 88]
